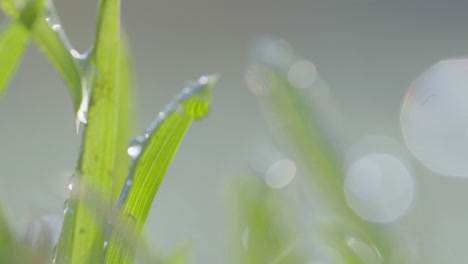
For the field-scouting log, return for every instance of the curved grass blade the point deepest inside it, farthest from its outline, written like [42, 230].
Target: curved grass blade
[53, 42]
[83, 234]
[299, 121]
[152, 155]
[13, 41]
[261, 229]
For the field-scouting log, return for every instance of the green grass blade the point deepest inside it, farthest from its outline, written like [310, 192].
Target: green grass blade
[54, 44]
[13, 41]
[12, 250]
[299, 122]
[261, 227]
[127, 121]
[83, 233]
[152, 155]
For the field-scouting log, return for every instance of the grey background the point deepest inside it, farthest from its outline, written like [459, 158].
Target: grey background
[369, 51]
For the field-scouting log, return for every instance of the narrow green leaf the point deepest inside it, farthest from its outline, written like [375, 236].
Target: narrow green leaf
[127, 121]
[83, 233]
[152, 155]
[299, 121]
[14, 39]
[12, 250]
[261, 226]
[53, 43]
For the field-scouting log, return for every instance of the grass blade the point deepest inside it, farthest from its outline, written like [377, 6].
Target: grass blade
[127, 121]
[83, 233]
[299, 121]
[53, 43]
[261, 230]
[152, 155]
[13, 41]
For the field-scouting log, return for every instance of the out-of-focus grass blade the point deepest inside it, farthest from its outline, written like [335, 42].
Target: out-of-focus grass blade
[83, 234]
[13, 40]
[299, 121]
[262, 229]
[182, 254]
[152, 155]
[53, 43]
[12, 250]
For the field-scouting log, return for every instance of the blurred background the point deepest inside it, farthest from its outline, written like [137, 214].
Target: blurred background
[368, 51]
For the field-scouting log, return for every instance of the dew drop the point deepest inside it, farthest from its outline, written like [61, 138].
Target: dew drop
[129, 182]
[147, 135]
[434, 118]
[280, 174]
[81, 115]
[135, 147]
[203, 80]
[75, 54]
[66, 209]
[379, 187]
[161, 115]
[369, 254]
[71, 182]
[56, 27]
[186, 90]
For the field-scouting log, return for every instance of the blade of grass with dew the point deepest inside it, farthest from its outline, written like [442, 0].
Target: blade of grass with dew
[84, 232]
[152, 154]
[262, 229]
[14, 39]
[127, 121]
[53, 43]
[299, 122]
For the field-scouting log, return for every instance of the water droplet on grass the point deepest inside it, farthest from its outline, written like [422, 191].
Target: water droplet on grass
[56, 27]
[71, 182]
[135, 147]
[66, 208]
